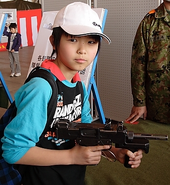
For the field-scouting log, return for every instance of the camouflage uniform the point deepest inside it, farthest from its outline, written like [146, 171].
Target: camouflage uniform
[151, 65]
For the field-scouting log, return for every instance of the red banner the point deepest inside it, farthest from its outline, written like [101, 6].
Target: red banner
[28, 25]
[3, 46]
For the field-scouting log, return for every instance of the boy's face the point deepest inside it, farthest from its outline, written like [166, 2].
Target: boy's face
[76, 53]
[13, 30]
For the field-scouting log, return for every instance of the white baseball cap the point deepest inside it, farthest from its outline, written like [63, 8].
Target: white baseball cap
[79, 19]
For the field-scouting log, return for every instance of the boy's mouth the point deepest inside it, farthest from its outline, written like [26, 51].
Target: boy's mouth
[80, 60]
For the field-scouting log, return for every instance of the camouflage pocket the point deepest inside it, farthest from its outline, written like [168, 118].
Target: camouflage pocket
[158, 53]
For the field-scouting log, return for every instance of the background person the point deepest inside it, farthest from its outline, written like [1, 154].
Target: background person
[14, 42]
[150, 70]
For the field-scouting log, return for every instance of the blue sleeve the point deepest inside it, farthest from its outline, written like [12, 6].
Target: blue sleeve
[85, 115]
[24, 130]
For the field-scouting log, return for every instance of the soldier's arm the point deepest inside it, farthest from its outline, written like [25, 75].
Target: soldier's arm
[138, 66]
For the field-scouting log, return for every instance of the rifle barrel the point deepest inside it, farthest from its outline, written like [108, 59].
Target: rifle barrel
[151, 136]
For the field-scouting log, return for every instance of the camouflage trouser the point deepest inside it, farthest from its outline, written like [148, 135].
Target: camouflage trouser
[158, 109]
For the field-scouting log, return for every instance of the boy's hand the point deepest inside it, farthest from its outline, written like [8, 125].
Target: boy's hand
[7, 24]
[134, 158]
[90, 155]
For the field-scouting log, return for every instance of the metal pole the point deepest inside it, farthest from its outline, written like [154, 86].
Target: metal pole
[95, 3]
[89, 2]
[42, 5]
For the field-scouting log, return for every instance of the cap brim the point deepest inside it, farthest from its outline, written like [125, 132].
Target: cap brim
[84, 30]
[105, 37]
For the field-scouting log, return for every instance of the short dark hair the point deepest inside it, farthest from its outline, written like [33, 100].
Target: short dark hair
[58, 32]
[13, 25]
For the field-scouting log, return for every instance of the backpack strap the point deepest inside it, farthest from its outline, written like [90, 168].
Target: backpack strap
[81, 91]
[39, 72]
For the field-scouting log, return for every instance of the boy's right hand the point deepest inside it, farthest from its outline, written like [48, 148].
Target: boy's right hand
[90, 155]
[7, 24]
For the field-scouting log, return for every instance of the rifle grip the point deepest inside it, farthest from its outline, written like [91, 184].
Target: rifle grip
[127, 159]
[126, 162]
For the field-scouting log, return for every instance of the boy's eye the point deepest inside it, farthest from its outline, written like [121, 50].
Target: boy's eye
[91, 41]
[73, 40]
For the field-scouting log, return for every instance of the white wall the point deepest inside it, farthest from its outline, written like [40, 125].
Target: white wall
[114, 63]
[55, 5]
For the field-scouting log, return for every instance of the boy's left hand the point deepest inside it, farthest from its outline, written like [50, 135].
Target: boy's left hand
[134, 158]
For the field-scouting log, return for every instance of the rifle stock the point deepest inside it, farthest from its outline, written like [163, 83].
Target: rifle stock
[105, 134]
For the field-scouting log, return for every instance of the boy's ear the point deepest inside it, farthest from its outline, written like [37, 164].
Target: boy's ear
[51, 38]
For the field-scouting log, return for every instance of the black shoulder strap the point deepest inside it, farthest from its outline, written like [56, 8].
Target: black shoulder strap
[81, 91]
[39, 72]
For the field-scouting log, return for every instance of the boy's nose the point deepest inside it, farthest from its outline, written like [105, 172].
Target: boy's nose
[81, 52]
[81, 49]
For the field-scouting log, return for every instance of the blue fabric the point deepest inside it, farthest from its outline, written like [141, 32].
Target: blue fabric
[8, 175]
[32, 108]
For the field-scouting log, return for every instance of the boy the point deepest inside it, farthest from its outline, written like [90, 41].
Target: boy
[76, 39]
[14, 42]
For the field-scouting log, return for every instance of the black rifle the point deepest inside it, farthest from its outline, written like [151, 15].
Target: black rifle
[105, 134]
